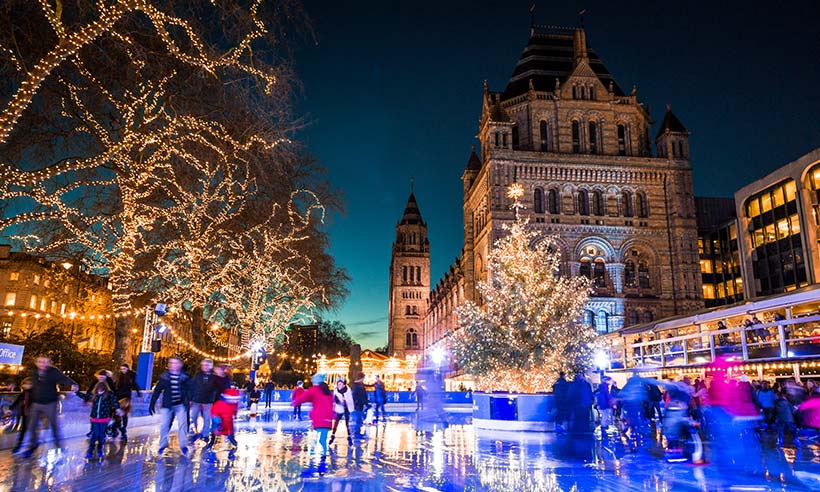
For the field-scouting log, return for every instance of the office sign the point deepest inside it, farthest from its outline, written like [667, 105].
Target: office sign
[11, 354]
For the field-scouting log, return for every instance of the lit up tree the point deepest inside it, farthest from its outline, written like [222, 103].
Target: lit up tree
[135, 132]
[529, 324]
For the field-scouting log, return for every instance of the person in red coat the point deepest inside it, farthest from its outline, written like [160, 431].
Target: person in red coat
[321, 416]
[223, 413]
[297, 392]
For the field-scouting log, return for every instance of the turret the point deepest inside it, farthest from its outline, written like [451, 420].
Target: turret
[672, 140]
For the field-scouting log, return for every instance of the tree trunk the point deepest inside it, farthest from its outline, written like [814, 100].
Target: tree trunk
[123, 352]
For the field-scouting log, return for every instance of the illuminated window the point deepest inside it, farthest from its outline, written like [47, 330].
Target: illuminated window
[42, 304]
[630, 279]
[643, 274]
[11, 298]
[14, 276]
[705, 266]
[36, 279]
[32, 302]
[708, 291]
[62, 308]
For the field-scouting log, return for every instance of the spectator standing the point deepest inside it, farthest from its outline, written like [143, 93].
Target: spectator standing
[380, 398]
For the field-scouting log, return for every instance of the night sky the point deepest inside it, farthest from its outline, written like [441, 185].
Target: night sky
[393, 91]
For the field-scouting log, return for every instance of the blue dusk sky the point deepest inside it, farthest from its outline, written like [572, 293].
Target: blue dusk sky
[392, 90]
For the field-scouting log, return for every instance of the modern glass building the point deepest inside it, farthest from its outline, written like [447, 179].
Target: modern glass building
[779, 225]
[719, 251]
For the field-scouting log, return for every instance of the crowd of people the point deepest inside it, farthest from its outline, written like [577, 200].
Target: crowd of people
[202, 407]
[722, 408]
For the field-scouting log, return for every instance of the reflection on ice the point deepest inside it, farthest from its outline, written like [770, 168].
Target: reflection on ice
[406, 454]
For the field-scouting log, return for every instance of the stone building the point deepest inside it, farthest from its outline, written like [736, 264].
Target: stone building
[580, 146]
[409, 283]
[38, 294]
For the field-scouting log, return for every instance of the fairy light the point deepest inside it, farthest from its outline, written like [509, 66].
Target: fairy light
[259, 277]
[528, 328]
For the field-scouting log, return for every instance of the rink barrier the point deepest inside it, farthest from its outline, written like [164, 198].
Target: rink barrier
[514, 411]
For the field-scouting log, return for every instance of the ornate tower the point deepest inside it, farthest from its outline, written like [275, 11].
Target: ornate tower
[409, 283]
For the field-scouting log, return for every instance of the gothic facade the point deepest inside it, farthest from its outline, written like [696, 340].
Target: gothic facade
[580, 146]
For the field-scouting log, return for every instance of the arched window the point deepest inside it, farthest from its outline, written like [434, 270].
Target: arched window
[544, 140]
[407, 310]
[576, 137]
[648, 317]
[601, 322]
[621, 140]
[599, 273]
[589, 318]
[496, 139]
[574, 92]
[597, 203]
[626, 204]
[553, 202]
[412, 275]
[643, 275]
[515, 137]
[418, 274]
[585, 269]
[630, 277]
[538, 201]
[632, 318]
[592, 92]
[411, 339]
[583, 202]
[404, 274]
[593, 137]
[643, 207]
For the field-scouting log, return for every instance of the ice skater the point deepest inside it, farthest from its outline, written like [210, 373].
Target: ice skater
[173, 385]
[342, 406]
[223, 414]
[104, 404]
[44, 398]
[297, 392]
[321, 415]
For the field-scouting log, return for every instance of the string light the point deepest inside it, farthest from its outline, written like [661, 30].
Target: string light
[528, 327]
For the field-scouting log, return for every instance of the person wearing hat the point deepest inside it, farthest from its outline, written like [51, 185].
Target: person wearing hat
[321, 415]
[223, 413]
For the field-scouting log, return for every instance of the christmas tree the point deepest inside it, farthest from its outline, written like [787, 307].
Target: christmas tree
[529, 326]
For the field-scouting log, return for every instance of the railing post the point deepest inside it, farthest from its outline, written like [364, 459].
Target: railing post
[781, 337]
[744, 344]
[663, 354]
[712, 346]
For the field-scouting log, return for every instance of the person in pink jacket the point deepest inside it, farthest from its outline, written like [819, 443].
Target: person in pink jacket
[321, 415]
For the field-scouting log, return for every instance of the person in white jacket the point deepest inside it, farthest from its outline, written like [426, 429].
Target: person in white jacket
[342, 406]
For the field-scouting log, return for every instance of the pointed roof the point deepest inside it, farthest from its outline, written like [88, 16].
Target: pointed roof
[671, 123]
[412, 214]
[551, 54]
[498, 114]
[474, 163]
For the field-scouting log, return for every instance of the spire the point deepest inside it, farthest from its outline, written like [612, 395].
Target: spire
[474, 163]
[671, 123]
[579, 46]
[412, 214]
